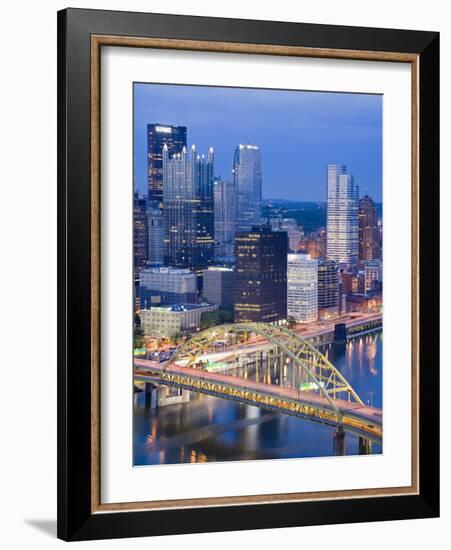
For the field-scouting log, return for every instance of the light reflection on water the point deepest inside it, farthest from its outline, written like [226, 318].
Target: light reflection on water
[207, 429]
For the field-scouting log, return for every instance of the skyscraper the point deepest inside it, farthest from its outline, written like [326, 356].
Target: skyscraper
[139, 232]
[158, 135]
[247, 176]
[155, 235]
[188, 209]
[302, 288]
[369, 232]
[327, 284]
[342, 216]
[225, 216]
[261, 275]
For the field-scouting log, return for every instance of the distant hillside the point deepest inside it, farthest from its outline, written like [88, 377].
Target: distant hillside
[310, 215]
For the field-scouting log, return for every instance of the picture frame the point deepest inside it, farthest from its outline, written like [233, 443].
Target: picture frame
[81, 36]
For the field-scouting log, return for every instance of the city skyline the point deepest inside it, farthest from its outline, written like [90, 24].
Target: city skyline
[298, 132]
[249, 307]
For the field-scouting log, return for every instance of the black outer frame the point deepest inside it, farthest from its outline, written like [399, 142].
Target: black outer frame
[75, 520]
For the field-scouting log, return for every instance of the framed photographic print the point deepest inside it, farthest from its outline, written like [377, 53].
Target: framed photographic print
[248, 274]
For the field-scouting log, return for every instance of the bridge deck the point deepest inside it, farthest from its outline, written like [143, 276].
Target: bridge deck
[364, 417]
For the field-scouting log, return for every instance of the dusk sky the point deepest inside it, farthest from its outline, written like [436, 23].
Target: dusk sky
[299, 133]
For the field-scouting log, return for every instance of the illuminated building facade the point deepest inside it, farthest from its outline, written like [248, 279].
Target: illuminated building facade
[167, 285]
[159, 135]
[170, 321]
[369, 232]
[315, 245]
[247, 177]
[140, 245]
[261, 275]
[353, 282]
[155, 235]
[327, 284]
[373, 275]
[302, 288]
[342, 216]
[188, 209]
[224, 196]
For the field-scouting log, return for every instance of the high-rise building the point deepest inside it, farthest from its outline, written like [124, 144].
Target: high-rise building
[342, 216]
[247, 176]
[139, 232]
[188, 209]
[219, 286]
[302, 288]
[155, 235]
[294, 232]
[261, 275]
[165, 285]
[224, 196]
[327, 284]
[159, 135]
[369, 232]
[373, 274]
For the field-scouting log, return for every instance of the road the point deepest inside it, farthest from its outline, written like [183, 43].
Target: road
[362, 418]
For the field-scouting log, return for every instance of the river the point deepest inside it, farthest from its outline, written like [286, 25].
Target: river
[211, 429]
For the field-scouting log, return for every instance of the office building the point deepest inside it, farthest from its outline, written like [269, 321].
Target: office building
[188, 209]
[369, 232]
[224, 197]
[294, 232]
[158, 136]
[373, 275]
[302, 288]
[247, 177]
[155, 235]
[219, 285]
[261, 275]
[353, 282]
[166, 285]
[342, 216]
[140, 246]
[173, 320]
[327, 284]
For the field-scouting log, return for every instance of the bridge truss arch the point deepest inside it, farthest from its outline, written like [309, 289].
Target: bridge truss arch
[320, 373]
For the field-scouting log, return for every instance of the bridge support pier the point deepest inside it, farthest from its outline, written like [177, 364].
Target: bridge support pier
[339, 442]
[365, 446]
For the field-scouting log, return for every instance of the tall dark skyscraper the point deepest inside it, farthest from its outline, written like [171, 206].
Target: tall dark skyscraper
[158, 135]
[369, 232]
[327, 284]
[188, 209]
[261, 275]
[247, 177]
[140, 243]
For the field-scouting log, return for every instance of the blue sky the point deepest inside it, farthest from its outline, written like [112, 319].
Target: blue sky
[299, 133]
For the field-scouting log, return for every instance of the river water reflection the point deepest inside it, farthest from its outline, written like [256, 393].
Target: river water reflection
[211, 429]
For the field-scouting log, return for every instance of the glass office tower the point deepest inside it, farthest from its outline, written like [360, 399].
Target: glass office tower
[188, 209]
[247, 175]
[342, 216]
[261, 275]
[158, 135]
